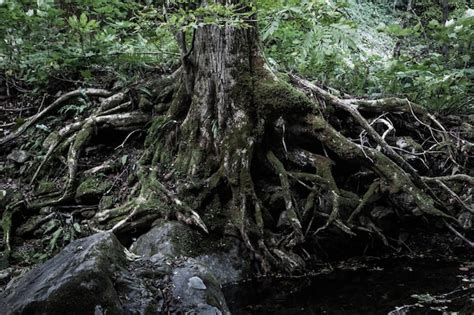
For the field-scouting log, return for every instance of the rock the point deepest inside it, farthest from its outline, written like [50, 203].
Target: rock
[93, 276]
[106, 202]
[196, 290]
[226, 267]
[45, 187]
[201, 268]
[171, 239]
[141, 288]
[158, 242]
[97, 275]
[81, 277]
[91, 190]
[19, 156]
[196, 283]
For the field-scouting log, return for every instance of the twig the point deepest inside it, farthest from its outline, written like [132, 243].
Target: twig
[470, 243]
[7, 125]
[126, 138]
[15, 109]
[457, 177]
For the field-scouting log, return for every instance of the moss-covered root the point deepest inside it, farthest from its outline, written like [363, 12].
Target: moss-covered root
[6, 226]
[79, 142]
[290, 212]
[370, 195]
[80, 135]
[398, 180]
[54, 106]
[153, 201]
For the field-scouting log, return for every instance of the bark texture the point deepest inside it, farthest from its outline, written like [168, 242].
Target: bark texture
[283, 165]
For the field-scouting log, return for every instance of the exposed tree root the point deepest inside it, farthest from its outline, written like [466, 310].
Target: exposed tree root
[33, 120]
[290, 213]
[280, 178]
[78, 141]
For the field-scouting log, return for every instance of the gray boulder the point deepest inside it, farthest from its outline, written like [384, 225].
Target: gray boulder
[79, 280]
[173, 239]
[196, 290]
[201, 265]
[19, 156]
[178, 271]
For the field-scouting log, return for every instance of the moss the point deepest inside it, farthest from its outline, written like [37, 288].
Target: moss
[145, 104]
[106, 202]
[276, 98]
[45, 187]
[91, 189]
[83, 135]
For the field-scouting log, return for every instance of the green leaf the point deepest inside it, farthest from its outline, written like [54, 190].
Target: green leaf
[124, 159]
[55, 237]
[77, 227]
[83, 19]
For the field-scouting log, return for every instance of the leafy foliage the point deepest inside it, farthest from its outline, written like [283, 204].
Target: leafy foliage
[351, 45]
[48, 38]
[376, 48]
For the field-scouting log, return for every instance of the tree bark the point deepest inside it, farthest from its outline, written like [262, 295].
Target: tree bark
[221, 64]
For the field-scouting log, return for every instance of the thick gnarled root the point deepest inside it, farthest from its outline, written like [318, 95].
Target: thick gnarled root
[397, 176]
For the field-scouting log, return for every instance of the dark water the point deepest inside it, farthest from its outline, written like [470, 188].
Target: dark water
[400, 286]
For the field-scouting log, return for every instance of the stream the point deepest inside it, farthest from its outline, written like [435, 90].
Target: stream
[390, 286]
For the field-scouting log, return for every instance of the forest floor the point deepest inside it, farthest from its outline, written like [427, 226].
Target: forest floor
[110, 159]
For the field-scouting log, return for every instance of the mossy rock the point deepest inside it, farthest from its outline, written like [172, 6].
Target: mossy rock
[45, 187]
[173, 239]
[91, 190]
[106, 202]
[81, 278]
[144, 104]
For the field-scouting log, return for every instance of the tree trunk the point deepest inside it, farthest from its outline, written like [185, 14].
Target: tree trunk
[232, 125]
[234, 150]
[221, 110]
[226, 102]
